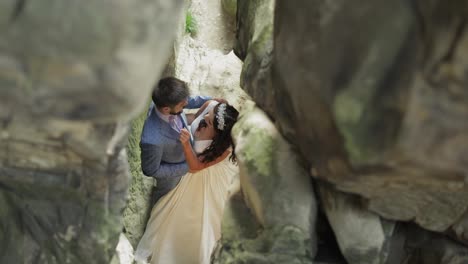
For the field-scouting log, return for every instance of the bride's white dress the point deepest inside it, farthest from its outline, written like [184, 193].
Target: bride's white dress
[185, 224]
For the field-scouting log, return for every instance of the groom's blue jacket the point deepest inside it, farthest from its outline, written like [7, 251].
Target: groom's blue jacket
[162, 156]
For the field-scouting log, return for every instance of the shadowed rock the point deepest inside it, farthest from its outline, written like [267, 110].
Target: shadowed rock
[363, 236]
[278, 192]
[372, 94]
[71, 76]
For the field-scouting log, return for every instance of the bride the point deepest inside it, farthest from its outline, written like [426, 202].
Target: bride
[186, 223]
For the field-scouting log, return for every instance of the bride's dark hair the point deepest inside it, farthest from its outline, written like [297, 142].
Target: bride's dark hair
[223, 139]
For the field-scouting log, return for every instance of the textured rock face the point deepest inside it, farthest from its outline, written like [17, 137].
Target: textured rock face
[254, 46]
[71, 74]
[383, 115]
[376, 105]
[57, 50]
[230, 6]
[431, 248]
[124, 252]
[210, 72]
[138, 207]
[215, 23]
[363, 236]
[278, 192]
[373, 95]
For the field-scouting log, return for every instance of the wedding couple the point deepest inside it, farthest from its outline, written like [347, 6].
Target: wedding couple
[188, 156]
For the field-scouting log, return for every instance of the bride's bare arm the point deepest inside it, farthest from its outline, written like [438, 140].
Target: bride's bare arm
[202, 108]
[192, 160]
[191, 117]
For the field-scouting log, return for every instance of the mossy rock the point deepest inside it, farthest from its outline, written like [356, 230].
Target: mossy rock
[230, 6]
[138, 206]
[286, 244]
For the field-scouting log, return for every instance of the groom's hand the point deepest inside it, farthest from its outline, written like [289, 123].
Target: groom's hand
[184, 136]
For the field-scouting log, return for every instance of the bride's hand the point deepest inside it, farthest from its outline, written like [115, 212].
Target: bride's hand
[184, 137]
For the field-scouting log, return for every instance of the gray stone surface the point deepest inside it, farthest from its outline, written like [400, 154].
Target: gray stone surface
[230, 7]
[71, 76]
[362, 236]
[255, 47]
[372, 93]
[56, 50]
[210, 72]
[279, 193]
[139, 205]
[424, 247]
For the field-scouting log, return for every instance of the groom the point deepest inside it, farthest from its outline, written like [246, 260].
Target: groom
[162, 156]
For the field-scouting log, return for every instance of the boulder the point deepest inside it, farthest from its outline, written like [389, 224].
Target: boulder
[279, 193]
[210, 72]
[230, 7]
[139, 206]
[72, 75]
[375, 105]
[254, 47]
[363, 236]
[427, 247]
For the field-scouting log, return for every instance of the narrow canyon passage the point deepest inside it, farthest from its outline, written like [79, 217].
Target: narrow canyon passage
[351, 140]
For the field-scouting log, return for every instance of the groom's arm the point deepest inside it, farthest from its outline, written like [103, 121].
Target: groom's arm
[202, 108]
[197, 101]
[152, 166]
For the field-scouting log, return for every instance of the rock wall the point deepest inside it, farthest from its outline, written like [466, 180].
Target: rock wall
[138, 206]
[278, 192]
[371, 93]
[368, 98]
[254, 33]
[378, 106]
[71, 76]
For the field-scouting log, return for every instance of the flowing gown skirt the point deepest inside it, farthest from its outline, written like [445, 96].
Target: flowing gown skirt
[185, 224]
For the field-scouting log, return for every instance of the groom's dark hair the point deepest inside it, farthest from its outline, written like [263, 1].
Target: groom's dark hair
[169, 92]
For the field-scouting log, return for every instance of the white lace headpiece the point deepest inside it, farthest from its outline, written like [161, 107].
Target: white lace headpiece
[220, 116]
